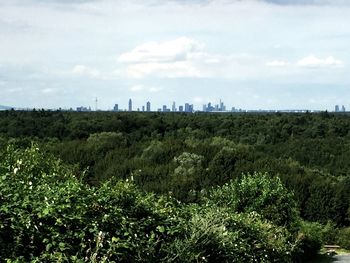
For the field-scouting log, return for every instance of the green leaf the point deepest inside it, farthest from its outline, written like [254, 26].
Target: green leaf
[46, 211]
[115, 239]
[161, 229]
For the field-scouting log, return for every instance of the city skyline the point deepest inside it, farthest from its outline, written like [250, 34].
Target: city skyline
[171, 107]
[255, 54]
[208, 107]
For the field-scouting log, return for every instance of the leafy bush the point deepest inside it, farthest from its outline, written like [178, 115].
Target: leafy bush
[310, 237]
[104, 141]
[214, 234]
[47, 214]
[259, 193]
[343, 238]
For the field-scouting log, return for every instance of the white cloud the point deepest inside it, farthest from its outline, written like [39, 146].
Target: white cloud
[169, 59]
[277, 63]
[138, 88]
[182, 58]
[48, 90]
[154, 89]
[313, 61]
[198, 99]
[165, 70]
[179, 49]
[82, 70]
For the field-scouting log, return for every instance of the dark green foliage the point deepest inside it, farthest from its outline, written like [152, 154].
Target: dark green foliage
[215, 234]
[186, 155]
[49, 215]
[310, 152]
[258, 193]
[343, 238]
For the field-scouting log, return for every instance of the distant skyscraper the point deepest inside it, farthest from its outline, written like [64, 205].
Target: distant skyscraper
[187, 107]
[165, 109]
[143, 108]
[173, 108]
[130, 105]
[204, 107]
[336, 108]
[116, 107]
[343, 108]
[181, 108]
[210, 107]
[148, 106]
[222, 106]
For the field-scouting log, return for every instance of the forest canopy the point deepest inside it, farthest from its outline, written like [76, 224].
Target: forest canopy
[107, 186]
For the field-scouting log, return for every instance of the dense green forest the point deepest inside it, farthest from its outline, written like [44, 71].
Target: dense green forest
[172, 187]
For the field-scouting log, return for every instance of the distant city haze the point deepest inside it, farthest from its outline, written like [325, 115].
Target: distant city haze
[251, 55]
[189, 108]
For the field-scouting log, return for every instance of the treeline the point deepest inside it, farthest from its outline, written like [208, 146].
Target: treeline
[183, 154]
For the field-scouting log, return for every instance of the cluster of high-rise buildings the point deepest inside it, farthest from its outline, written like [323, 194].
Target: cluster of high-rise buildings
[182, 108]
[337, 108]
[218, 107]
[187, 107]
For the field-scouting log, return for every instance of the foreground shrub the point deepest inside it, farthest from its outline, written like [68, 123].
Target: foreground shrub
[310, 237]
[214, 234]
[259, 193]
[343, 238]
[48, 215]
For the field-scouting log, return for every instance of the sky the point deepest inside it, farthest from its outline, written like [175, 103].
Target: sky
[252, 54]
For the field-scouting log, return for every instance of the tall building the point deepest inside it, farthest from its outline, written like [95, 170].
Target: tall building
[343, 108]
[165, 109]
[188, 107]
[116, 107]
[210, 107]
[130, 105]
[173, 108]
[143, 108]
[181, 108]
[336, 108]
[222, 106]
[148, 106]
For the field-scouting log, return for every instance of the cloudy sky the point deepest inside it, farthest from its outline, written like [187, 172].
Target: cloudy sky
[252, 54]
